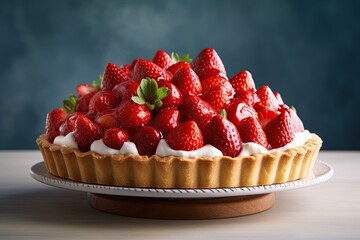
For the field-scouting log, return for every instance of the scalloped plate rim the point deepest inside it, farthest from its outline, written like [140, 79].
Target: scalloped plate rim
[322, 172]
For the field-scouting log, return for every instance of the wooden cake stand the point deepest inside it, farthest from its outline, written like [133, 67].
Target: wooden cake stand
[183, 208]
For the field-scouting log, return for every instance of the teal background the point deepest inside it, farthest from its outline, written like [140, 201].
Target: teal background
[307, 50]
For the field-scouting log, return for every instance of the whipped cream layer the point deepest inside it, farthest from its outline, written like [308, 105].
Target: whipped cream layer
[163, 149]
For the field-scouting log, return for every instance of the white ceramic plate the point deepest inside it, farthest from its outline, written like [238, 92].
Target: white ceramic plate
[322, 172]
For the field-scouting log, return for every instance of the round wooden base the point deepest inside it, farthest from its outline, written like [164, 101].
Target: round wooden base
[170, 208]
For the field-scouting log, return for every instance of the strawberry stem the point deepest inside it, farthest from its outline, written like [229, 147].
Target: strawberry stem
[69, 104]
[150, 94]
[184, 58]
[223, 113]
[97, 83]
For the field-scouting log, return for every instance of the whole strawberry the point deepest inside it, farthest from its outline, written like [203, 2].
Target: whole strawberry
[69, 123]
[187, 81]
[222, 134]
[237, 110]
[243, 82]
[166, 120]
[86, 132]
[115, 138]
[84, 101]
[147, 69]
[197, 110]
[250, 131]
[267, 99]
[126, 90]
[101, 101]
[187, 136]
[177, 66]
[280, 131]
[146, 139]
[54, 119]
[210, 82]
[216, 96]
[113, 75]
[298, 125]
[107, 119]
[207, 59]
[131, 114]
[174, 98]
[162, 59]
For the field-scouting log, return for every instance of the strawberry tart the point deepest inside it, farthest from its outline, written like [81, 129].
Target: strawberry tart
[173, 122]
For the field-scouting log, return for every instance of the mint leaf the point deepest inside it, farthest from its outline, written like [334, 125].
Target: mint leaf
[223, 113]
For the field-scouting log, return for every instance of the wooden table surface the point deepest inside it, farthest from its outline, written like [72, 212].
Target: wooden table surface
[32, 210]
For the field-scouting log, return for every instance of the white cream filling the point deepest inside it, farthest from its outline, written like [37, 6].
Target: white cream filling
[163, 149]
[100, 147]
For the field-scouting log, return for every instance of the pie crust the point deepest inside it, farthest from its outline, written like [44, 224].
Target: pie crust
[131, 170]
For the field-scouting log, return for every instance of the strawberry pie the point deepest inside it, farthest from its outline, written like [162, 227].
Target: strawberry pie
[173, 122]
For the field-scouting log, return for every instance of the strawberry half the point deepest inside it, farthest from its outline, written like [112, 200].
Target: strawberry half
[83, 103]
[126, 90]
[115, 138]
[251, 131]
[113, 75]
[54, 119]
[187, 136]
[69, 123]
[147, 69]
[222, 134]
[86, 132]
[84, 89]
[146, 139]
[207, 59]
[280, 131]
[162, 59]
[187, 81]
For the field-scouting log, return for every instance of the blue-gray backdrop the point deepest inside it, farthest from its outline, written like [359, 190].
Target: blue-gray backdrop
[307, 50]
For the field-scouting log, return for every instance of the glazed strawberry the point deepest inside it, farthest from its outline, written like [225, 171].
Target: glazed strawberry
[83, 103]
[115, 137]
[267, 99]
[113, 75]
[126, 90]
[54, 119]
[251, 131]
[69, 123]
[147, 69]
[101, 101]
[174, 98]
[222, 134]
[166, 120]
[107, 119]
[146, 139]
[243, 82]
[280, 131]
[265, 116]
[212, 81]
[162, 59]
[187, 81]
[237, 110]
[131, 114]
[187, 136]
[177, 66]
[198, 110]
[207, 59]
[85, 133]
[217, 96]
